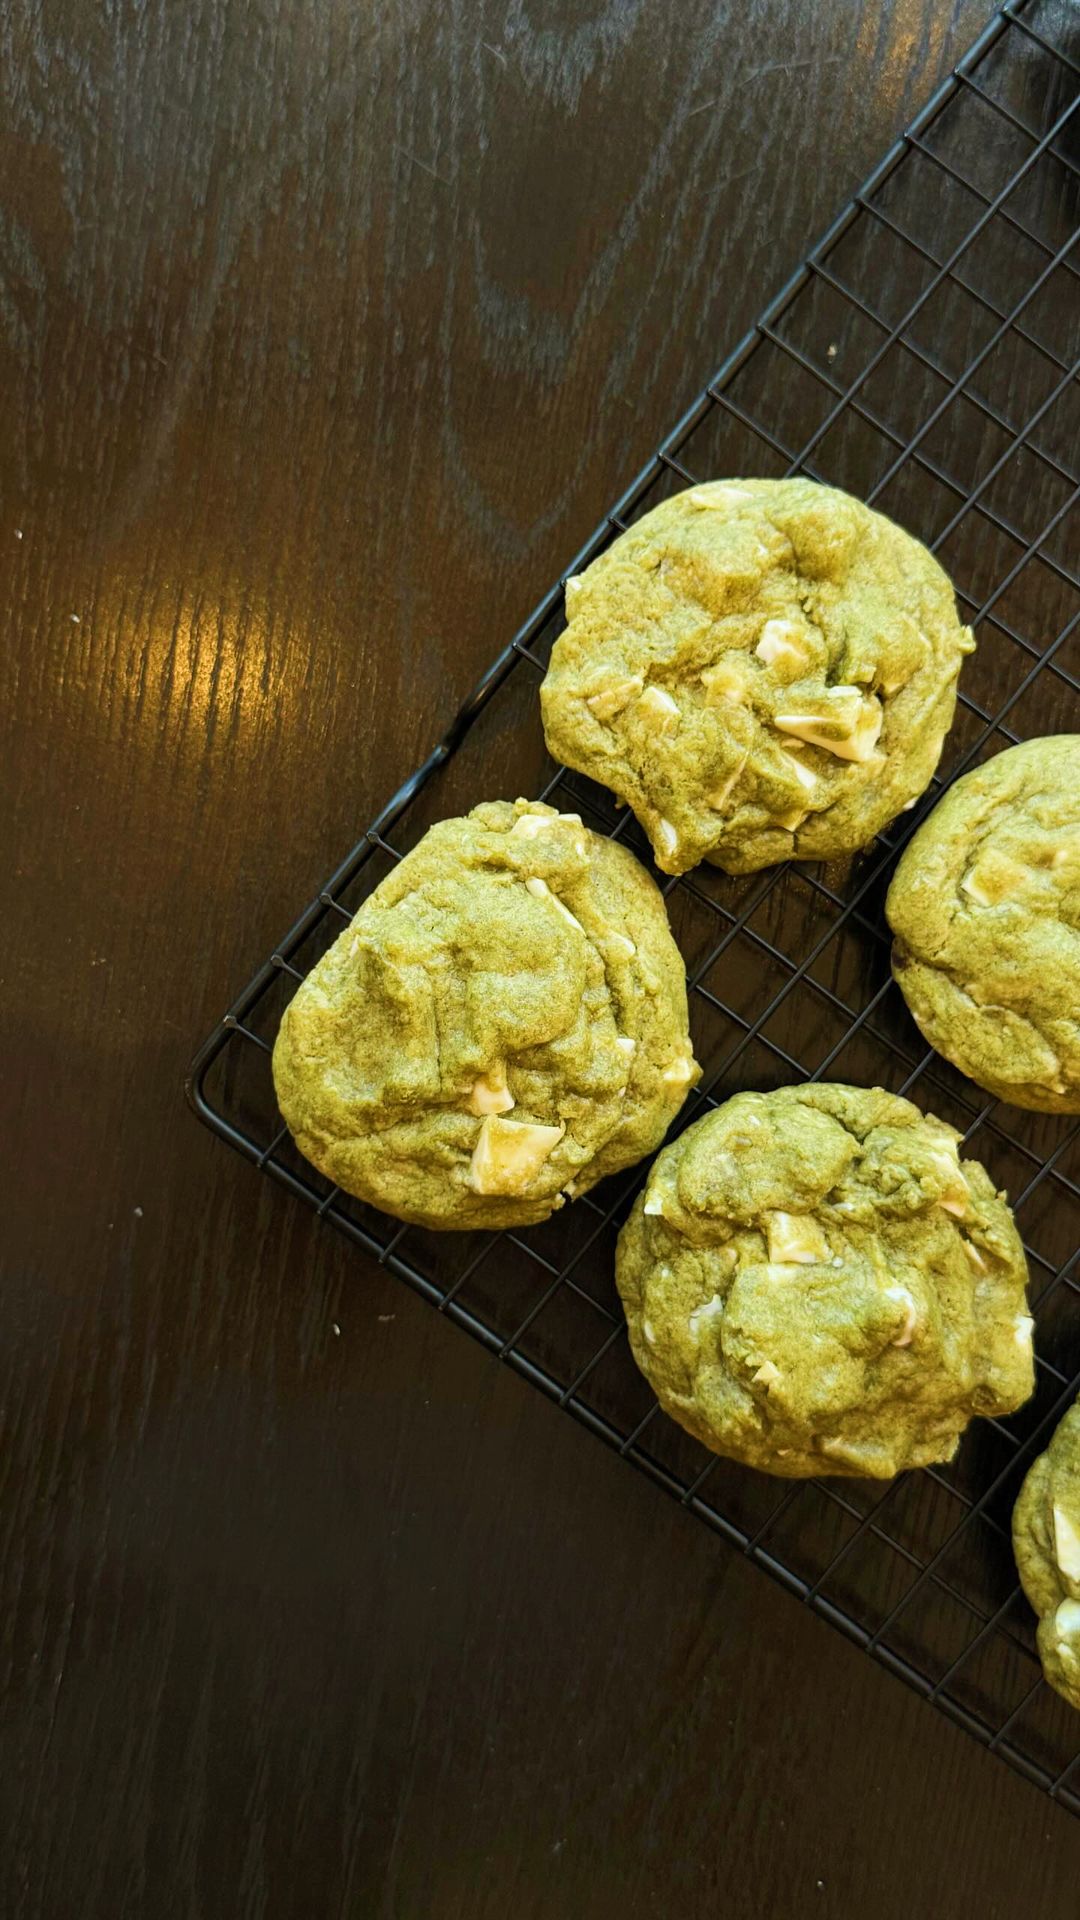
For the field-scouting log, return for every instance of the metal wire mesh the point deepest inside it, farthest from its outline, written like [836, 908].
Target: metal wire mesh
[925, 357]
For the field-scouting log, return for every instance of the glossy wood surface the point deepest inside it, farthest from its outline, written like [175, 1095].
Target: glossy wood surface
[327, 333]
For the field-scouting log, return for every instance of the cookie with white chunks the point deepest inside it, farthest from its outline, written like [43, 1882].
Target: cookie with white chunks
[816, 1283]
[502, 1024]
[985, 914]
[1046, 1542]
[761, 669]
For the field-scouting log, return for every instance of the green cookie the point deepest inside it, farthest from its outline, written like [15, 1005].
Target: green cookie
[760, 669]
[816, 1284]
[1046, 1542]
[985, 909]
[503, 1023]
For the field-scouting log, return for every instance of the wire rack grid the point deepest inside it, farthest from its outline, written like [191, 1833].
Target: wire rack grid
[925, 357]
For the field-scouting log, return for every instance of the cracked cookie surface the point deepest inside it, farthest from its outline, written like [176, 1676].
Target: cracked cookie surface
[761, 669]
[985, 914]
[816, 1283]
[502, 1024]
[1046, 1542]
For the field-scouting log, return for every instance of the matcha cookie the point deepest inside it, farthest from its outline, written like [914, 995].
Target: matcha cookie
[985, 910]
[815, 1283]
[502, 1024]
[761, 669]
[1046, 1541]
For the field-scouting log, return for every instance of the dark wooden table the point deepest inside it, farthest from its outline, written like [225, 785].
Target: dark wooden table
[327, 332]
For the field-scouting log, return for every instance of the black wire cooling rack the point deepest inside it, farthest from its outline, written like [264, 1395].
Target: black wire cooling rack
[925, 357]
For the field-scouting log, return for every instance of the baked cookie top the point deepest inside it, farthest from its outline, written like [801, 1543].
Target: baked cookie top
[1046, 1541]
[761, 669]
[985, 911]
[503, 1023]
[815, 1283]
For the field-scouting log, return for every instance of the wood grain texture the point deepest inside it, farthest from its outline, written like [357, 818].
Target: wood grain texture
[326, 334]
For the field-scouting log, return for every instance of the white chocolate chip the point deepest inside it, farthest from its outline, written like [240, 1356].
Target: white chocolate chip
[804, 775]
[659, 709]
[541, 891]
[850, 730]
[911, 1314]
[646, 1328]
[678, 1072]
[490, 1093]
[725, 683]
[1067, 1544]
[792, 820]
[625, 1044]
[510, 1153]
[573, 593]
[667, 836]
[782, 645]
[970, 886]
[795, 1239]
[974, 1256]
[700, 1317]
[1023, 1330]
[719, 797]
[622, 945]
[610, 700]
[653, 1204]
[717, 494]
[528, 826]
[767, 1375]
[1067, 1617]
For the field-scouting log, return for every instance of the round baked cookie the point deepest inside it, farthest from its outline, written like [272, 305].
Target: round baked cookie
[502, 1024]
[761, 669]
[1046, 1541]
[985, 913]
[816, 1284]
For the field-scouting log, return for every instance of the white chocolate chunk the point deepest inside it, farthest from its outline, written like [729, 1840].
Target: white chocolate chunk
[610, 700]
[969, 885]
[782, 645]
[659, 709]
[795, 1239]
[528, 826]
[667, 836]
[510, 1153]
[805, 775]
[700, 1317]
[725, 683]
[622, 944]
[625, 1044]
[767, 1375]
[719, 797]
[1023, 1330]
[646, 1328]
[490, 1093]
[1067, 1544]
[678, 1072]
[541, 891]
[573, 593]
[911, 1314]
[848, 727]
[653, 1204]
[974, 1256]
[956, 1198]
[718, 495]
[1067, 1617]
[793, 819]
